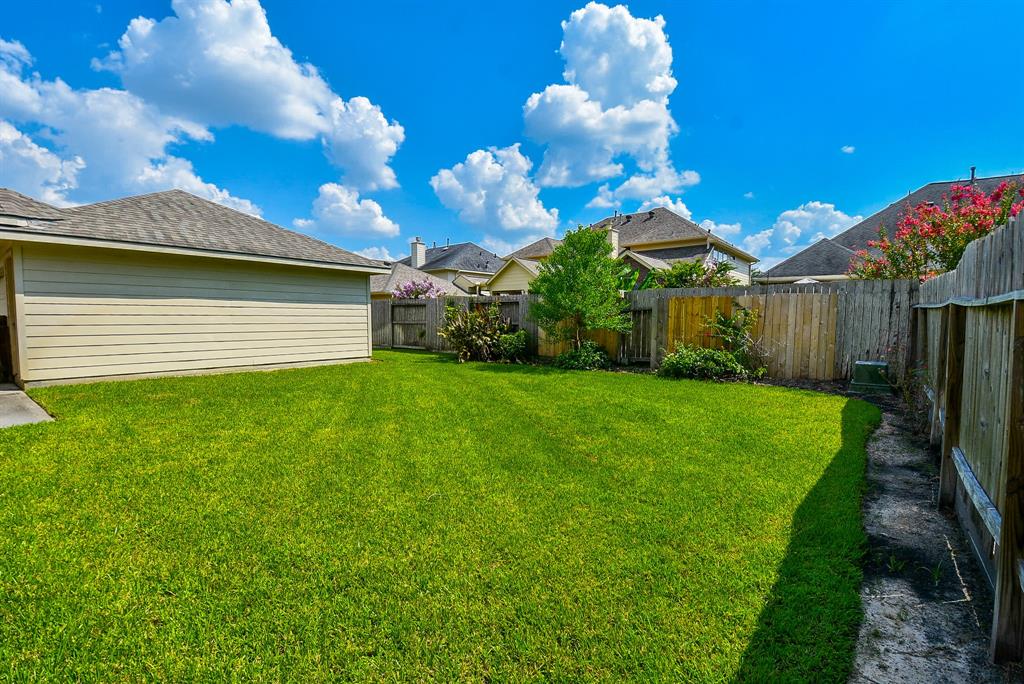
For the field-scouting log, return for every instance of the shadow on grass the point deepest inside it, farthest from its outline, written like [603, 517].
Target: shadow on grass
[808, 629]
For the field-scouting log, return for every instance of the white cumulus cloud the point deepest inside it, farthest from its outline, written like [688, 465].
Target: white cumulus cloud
[847, 149]
[338, 210]
[613, 105]
[794, 229]
[725, 230]
[493, 188]
[381, 253]
[218, 63]
[117, 141]
[35, 170]
[675, 205]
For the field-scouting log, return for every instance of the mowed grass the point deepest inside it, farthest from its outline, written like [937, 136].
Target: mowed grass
[418, 519]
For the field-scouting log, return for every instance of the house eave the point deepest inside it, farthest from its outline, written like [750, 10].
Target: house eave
[7, 233]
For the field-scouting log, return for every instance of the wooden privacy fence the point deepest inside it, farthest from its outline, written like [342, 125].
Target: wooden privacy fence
[970, 340]
[413, 323]
[815, 331]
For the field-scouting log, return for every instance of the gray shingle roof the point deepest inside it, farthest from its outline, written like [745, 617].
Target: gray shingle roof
[646, 260]
[656, 225]
[175, 218]
[462, 256]
[856, 237]
[826, 259]
[15, 204]
[401, 274]
[540, 248]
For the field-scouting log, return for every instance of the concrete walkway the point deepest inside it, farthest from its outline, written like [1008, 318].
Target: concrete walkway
[17, 409]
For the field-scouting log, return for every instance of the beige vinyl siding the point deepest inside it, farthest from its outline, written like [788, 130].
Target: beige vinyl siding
[99, 312]
[513, 278]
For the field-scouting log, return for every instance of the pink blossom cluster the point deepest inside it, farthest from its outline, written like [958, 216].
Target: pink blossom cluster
[417, 289]
[930, 239]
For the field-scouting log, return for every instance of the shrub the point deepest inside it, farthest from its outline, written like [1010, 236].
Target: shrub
[588, 356]
[417, 289]
[736, 332]
[700, 363]
[474, 332]
[512, 346]
[692, 274]
[931, 238]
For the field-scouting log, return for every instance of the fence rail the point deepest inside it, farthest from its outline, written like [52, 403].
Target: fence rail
[970, 340]
[815, 331]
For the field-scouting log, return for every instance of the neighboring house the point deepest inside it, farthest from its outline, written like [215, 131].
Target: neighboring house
[470, 284]
[514, 277]
[829, 259]
[644, 264]
[381, 286]
[536, 250]
[169, 283]
[655, 239]
[451, 261]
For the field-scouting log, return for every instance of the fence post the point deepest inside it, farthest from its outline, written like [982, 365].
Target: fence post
[1008, 614]
[935, 428]
[948, 399]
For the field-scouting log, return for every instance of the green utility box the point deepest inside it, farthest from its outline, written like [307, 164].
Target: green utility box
[869, 377]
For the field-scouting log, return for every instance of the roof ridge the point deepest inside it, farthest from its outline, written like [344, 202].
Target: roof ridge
[977, 178]
[830, 241]
[218, 205]
[123, 200]
[178, 218]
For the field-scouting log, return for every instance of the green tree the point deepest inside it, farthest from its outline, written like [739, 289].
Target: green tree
[578, 288]
[694, 274]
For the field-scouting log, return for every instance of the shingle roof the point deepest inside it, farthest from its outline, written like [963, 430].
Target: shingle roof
[540, 248]
[656, 225]
[653, 263]
[857, 236]
[819, 259]
[530, 265]
[824, 257]
[22, 206]
[401, 274]
[462, 256]
[175, 218]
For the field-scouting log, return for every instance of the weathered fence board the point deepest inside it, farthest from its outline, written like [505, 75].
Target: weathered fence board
[973, 357]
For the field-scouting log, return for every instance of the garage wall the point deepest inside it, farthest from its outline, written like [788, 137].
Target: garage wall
[98, 312]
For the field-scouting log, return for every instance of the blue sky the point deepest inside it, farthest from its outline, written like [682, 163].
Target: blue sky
[350, 120]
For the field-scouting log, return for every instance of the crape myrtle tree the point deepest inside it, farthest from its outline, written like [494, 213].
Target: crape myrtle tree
[417, 289]
[578, 288]
[931, 238]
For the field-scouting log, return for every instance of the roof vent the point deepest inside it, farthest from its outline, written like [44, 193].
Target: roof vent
[973, 170]
[650, 214]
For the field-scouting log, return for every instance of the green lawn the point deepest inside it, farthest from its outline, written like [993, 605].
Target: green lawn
[418, 519]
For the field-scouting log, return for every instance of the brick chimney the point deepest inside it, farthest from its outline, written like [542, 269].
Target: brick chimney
[418, 250]
[613, 238]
